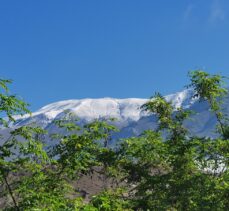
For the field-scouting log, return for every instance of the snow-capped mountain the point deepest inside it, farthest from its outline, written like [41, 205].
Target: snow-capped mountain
[124, 110]
[130, 119]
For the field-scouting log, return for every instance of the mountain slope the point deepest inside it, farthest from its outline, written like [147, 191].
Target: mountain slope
[130, 119]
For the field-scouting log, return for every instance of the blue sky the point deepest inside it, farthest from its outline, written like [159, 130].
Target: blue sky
[56, 50]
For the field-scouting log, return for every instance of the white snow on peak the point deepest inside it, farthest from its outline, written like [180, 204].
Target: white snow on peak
[131, 120]
[181, 99]
[96, 108]
[124, 110]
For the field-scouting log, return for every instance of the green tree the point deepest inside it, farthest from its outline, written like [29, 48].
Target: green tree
[162, 169]
[10, 105]
[26, 172]
[37, 179]
[171, 170]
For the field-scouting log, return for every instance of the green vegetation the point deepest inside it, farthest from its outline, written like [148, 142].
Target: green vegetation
[164, 169]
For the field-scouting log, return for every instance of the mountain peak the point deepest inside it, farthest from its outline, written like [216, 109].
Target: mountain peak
[131, 120]
[88, 109]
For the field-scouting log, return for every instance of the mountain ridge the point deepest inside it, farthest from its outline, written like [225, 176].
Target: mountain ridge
[130, 119]
[93, 108]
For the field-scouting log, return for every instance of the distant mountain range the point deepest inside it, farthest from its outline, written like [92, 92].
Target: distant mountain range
[130, 119]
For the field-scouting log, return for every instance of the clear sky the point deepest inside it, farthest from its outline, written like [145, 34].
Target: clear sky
[69, 49]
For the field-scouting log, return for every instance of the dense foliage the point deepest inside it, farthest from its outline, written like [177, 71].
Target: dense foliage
[162, 169]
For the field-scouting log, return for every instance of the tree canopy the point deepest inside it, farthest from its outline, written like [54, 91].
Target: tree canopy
[162, 169]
